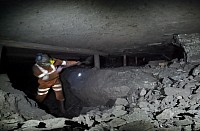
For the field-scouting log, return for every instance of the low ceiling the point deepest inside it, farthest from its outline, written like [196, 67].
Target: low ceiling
[109, 26]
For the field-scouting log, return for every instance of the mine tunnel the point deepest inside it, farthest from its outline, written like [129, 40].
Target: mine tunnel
[139, 64]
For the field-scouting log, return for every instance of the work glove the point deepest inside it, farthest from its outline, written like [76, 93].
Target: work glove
[59, 69]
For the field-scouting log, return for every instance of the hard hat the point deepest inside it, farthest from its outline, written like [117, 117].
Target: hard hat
[42, 59]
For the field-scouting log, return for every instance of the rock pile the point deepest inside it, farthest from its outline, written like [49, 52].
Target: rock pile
[172, 104]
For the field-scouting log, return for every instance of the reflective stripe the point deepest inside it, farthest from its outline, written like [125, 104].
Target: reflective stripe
[42, 93]
[58, 85]
[43, 89]
[54, 69]
[41, 75]
[64, 63]
[45, 72]
[57, 89]
[42, 69]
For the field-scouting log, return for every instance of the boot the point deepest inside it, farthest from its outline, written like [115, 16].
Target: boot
[62, 107]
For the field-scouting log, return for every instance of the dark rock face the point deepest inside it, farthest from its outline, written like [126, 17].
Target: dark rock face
[15, 107]
[191, 45]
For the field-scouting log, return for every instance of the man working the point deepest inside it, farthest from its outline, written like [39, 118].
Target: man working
[47, 70]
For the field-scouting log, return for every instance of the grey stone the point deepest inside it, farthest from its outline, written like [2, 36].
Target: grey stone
[168, 100]
[193, 111]
[138, 126]
[166, 81]
[149, 96]
[196, 71]
[137, 115]
[183, 122]
[192, 102]
[143, 92]
[179, 97]
[97, 128]
[175, 65]
[119, 111]
[176, 111]
[143, 104]
[190, 85]
[49, 124]
[197, 126]
[177, 92]
[183, 104]
[166, 114]
[30, 124]
[121, 101]
[80, 119]
[195, 98]
[88, 120]
[188, 128]
[98, 118]
[193, 107]
[117, 122]
[107, 117]
[169, 129]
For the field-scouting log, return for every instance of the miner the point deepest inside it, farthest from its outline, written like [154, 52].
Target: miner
[47, 71]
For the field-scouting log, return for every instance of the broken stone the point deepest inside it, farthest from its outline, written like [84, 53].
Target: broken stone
[88, 121]
[107, 117]
[192, 103]
[143, 104]
[177, 111]
[185, 93]
[119, 111]
[197, 126]
[188, 128]
[97, 128]
[80, 119]
[143, 92]
[166, 114]
[137, 115]
[183, 104]
[195, 98]
[169, 129]
[179, 97]
[196, 71]
[175, 65]
[138, 126]
[183, 122]
[181, 84]
[117, 122]
[49, 124]
[121, 101]
[168, 100]
[190, 85]
[166, 81]
[193, 112]
[30, 123]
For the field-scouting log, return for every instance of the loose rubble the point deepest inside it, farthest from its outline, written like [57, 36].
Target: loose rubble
[172, 104]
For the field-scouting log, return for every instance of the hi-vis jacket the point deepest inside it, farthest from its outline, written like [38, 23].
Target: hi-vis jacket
[48, 76]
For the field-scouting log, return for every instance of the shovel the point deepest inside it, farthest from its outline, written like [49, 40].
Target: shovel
[87, 61]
